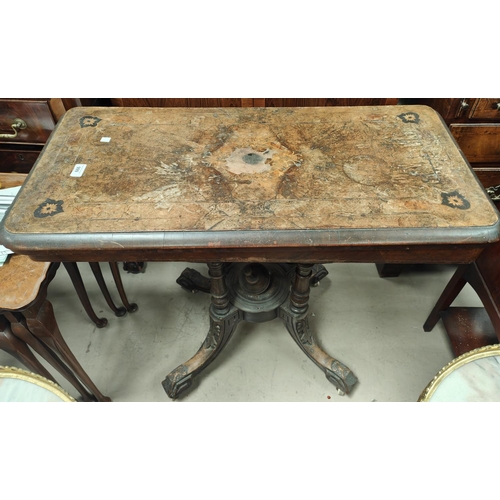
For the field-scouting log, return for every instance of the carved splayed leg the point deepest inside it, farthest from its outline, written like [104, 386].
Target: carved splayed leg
[223, 321]
[295, 318]
[221, 330]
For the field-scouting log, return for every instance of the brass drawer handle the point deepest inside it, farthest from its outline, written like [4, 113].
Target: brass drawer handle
[498, 106]
[16, 126]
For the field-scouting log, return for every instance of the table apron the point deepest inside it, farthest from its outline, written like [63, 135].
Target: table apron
[397, 254]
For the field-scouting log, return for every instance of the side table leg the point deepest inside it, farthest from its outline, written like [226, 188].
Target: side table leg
[294, 316]
[115, 271]
[223, 321]
[20, 350]
[77, 281]
[96, 269]
[42, 323]
[21, 331]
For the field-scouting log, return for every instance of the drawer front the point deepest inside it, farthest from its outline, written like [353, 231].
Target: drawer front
[37, 116]
[480, 143]
[486, 109]
[489, 177]
[18, 161]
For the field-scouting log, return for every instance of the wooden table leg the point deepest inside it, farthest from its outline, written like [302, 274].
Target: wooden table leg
[294, 316]
[389, 270]
[20, 350]
[21, 330]
[76, 278]
[223, 321]
[452, 289]
[96, 269]
[42, 323]
[115, 271]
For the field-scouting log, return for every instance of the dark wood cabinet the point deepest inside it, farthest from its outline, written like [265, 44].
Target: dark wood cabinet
[298, 102]
[183, 102]
[251, 102]
[475, 125]
[20, 147]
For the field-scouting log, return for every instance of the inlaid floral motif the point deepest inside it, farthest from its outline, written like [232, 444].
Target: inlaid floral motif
[455, 200]
[48, 208]
[89, 121]
[409, 117]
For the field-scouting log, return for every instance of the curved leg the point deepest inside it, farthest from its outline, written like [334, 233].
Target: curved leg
[223, 321]
[119, 285]
[20, 330]
[42, 323]
[221, 330]
[20, 350]
[76, 278]
[96, 269]
[294, 316]
[335, 371]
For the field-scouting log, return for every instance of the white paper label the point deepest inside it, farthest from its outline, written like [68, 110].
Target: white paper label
[78, 170]
[105, 139]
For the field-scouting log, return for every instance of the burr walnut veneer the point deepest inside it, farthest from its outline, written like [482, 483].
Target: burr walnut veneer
[262, 195]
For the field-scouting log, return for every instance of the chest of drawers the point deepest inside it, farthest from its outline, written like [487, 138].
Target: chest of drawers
[25, 126]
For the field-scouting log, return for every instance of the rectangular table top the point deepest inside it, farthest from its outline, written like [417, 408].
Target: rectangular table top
[121, 181]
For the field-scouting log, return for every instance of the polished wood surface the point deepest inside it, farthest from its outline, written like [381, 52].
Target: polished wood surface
[486, 109]
[479, 142]
[38, 117]
[180, 184]
[18, 154]
[183, 102]
[298, 102]
[251, 102]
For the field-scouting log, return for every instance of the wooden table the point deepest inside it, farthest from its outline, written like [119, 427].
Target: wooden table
[261, 195]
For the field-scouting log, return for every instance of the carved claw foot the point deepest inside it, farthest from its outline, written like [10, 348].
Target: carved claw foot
[335, 371]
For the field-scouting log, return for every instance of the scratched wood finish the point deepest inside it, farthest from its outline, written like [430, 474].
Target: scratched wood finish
[323, 175]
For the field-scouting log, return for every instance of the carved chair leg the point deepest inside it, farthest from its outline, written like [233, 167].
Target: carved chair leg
[76, 278]
[42, 323]
[96, 269]
[115, 271]
[294, 316]
[20, 330]
[20, 350]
